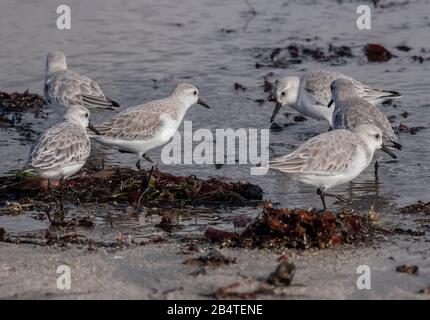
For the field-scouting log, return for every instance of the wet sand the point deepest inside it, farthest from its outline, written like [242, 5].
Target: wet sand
[158, 272]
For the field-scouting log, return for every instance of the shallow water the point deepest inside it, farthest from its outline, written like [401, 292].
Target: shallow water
[139, 50]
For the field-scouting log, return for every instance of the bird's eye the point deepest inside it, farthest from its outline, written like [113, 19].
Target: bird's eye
[87, 115]
[377, 136]
[195, 92]
[283, 94]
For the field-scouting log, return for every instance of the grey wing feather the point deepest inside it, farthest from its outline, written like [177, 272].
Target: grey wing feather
[93, 96]
[68, 87]
[373, 94]
[320, 154]
[357, 111]
[63, 144]
[138, 123]
[317, 85]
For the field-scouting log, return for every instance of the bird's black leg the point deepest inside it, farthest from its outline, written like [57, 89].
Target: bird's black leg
[61, 206]
[145, 185]
[321, 194]
[376, 169]
[54, 197]
[324, 194]
[138, 166]
[149, 176]
[338, 197]
[147, 158]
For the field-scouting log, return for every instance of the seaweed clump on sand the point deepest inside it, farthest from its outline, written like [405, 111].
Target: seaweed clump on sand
[285, 57]
[20, 102]
[301, 229]
[417, 208]
[124, 185]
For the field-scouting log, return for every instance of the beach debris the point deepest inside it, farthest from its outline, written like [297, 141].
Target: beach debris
[240, 221]
[11, 208]
[249, 289]
[283, 274]
[377, 53]
[420, 59]
[267, 86]
[220, 236]
[408, 232]
[403, 48]
[301, 229]
[20, 102]
[14, 121]
[227, 30]
[425, 290]
[417, 208]
[123, 185]
[167, 222]
[238, 86]
[213, 258]
[412, 130]
[341, 51]
[409, 269]
[405, 114]
[296, 53]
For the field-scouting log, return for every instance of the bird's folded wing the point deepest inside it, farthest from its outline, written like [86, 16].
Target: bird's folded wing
[323, 157]
[93, 96]
[370, 94]
[59, 147]
[358, 111]
[131, 125]
[317, 86]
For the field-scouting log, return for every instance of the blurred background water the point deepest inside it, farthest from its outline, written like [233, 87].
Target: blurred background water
[139, 50]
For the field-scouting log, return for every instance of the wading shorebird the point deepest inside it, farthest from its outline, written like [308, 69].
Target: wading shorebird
[310, 94]
[147, 126]
[66, 87]
[350, 111]
[62, 150]
[331, 158]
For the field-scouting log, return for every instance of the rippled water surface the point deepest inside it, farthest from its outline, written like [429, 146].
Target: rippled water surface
[139, 50]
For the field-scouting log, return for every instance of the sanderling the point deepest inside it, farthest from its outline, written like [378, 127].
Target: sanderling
[147, 126]
[67, 87]
[62, 150]
[331, 158]
[310, 93]
[351, 110]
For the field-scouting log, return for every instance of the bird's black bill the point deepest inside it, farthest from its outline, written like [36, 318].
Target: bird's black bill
[330, 103]
[396, 145]
[388, 151]
[91, 127]
[275, 112]
[202, 103]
